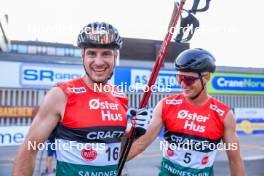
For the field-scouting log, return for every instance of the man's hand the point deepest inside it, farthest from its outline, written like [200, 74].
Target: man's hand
[153, 131]
[141, 119]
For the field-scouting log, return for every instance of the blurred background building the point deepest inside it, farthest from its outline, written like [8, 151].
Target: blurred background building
[28, 69]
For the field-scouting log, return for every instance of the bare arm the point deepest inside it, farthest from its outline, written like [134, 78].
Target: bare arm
[153, 130]
[230, 138]
[43, 124]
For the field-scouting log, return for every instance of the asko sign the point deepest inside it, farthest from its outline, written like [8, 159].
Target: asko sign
[13, 135]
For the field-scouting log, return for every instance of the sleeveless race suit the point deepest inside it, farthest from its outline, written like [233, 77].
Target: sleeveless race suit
[88, 136]
[192, 134]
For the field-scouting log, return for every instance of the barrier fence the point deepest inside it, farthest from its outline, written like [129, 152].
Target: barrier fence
[33, 97]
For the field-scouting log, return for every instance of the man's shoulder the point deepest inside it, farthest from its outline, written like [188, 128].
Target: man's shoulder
[55, 93]
[69, 83]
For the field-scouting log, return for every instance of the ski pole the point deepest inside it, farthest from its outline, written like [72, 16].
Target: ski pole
[151, 82]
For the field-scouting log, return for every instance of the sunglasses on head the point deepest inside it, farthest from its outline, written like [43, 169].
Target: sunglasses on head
[188, 80]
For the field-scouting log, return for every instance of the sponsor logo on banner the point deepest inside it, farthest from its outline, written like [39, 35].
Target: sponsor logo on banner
[13, 135]
[235, 83]
[250, 120]
[250, 127]
[166, 80]
[15, 111]
[44, 75]
[249, 113]
[139, 78]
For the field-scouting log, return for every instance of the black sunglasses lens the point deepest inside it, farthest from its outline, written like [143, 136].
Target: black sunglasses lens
[188, 80]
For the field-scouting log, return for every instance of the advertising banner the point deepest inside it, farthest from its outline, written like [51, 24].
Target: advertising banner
[17, 111]
[231, 83]
[45, 75]
[38, 75]
[13, 135]
[136, 79]
[250, 120]
[9, 74]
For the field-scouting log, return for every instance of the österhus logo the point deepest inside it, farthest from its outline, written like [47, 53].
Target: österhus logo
[191, 120]
[94, 104]
[97, 104]
[235, 83]
[109, 110]
[184, 114]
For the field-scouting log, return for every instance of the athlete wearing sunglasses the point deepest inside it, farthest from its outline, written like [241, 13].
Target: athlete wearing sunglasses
[191, 116]
[192, 83]
[188, 80]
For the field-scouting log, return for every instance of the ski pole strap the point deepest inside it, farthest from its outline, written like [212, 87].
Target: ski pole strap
[188, 26]
[190, 23]
[196, 4]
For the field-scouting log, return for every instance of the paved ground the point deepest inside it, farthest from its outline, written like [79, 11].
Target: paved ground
[147, 164]
[252, 150]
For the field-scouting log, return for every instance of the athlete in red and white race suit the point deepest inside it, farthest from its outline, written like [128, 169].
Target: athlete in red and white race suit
[87, 115]
[195, 123]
